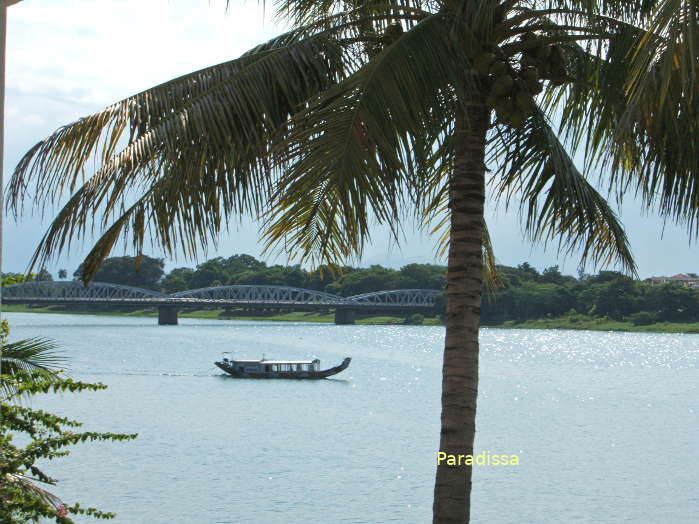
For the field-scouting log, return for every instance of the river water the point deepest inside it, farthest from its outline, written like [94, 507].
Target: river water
[605, 425]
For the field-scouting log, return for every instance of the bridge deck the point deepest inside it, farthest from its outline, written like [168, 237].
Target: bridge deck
[247, 296]
[200, 303]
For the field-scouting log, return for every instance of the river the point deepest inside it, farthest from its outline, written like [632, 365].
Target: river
[605, 425]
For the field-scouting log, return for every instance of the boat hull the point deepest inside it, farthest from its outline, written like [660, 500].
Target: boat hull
[296, 375]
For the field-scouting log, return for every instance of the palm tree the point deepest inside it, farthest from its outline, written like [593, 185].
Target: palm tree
[380, 112]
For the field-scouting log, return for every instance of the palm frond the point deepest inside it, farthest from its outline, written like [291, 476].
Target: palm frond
[213, 127]
[28, 355]
[357, 147]
[556, 200]
[629, 10]
[304, 12]
[27, 485]
[634, 102]
[198, 147]
[656, 138]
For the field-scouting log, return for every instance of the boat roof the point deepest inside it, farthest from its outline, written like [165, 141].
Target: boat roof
[279, 361]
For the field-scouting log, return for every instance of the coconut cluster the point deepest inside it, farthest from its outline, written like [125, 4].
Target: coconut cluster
[511, 90]
[512, 87]
[392, 33]
[549, 59]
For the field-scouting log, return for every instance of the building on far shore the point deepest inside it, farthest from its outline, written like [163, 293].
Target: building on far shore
[688, 280]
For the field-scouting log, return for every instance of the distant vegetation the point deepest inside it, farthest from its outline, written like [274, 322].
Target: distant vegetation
[524, 295]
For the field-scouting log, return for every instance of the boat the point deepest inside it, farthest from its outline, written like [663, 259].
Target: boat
[308, 369]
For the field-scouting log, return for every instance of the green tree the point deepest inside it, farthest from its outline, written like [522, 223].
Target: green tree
[364, 109]
[617, 298]
[366, 280]
[209, 272]
[44, 275]
[552, 275]
[326, 274]
[527, 271]
[179, 279]
[9, 279]
[142, 271]
[62, 274]
[423, 276]
[243, 262]
[673, 303]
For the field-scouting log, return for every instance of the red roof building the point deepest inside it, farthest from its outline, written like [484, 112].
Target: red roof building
[680, 278]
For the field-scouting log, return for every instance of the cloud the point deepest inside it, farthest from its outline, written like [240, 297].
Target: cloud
[69, 58]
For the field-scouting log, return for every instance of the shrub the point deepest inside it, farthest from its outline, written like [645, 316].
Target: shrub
[414, 320]
[642, 318]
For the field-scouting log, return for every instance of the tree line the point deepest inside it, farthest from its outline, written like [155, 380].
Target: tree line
[526, 294]
[521, 293]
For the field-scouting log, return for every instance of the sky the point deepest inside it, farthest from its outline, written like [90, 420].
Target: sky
[69, 58]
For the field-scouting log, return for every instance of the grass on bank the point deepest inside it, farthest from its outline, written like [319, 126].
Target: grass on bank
[218, 314]
[576, 322]
[599, 324]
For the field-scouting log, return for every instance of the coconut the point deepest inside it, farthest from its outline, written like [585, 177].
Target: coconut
[503, 85]
[491, 101]
[557, 55]
[505, 106]
[544, 70]
[499, 31]
[503, 118]
[392, 33]
[529, 60]
[498, 68]
[499, 14]
[543, 52]
[530, 74]
[517, 119]
[523, 102]
[535, 88]
[483, 62]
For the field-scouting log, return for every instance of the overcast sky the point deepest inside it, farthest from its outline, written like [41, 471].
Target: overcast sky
[69, 58]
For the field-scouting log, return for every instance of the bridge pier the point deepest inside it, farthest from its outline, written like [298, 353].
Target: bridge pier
[167, 316]
[344, 316]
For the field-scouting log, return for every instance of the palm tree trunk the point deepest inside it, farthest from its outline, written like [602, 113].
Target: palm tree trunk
[464, 279]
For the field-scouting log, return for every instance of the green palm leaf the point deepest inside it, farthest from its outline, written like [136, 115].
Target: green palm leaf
[26, 356]
[556, 200]
[213, 130]
[360, 144]
[634, 103]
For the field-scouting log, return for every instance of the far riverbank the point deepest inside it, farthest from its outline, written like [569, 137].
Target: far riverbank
[222, 314]
[583, 324]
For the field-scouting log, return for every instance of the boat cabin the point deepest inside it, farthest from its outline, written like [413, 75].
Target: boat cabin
[274, 366]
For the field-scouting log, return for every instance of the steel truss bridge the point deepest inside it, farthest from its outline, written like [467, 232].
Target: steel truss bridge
[244, 296]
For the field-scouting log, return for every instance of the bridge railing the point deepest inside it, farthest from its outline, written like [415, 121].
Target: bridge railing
[253, 293]
[67, 291]
[398, 297]
[74, 289]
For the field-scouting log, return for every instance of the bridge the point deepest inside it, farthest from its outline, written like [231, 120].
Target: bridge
[242, 296]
